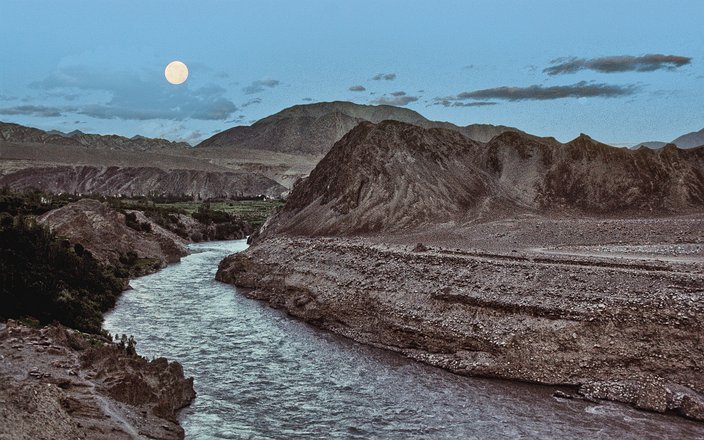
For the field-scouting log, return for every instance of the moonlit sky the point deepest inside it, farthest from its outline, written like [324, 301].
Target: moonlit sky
[98, 66]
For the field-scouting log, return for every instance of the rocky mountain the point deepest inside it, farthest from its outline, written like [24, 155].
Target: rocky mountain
[138, 181]
[10, 132]
[312, 129]
[689, 140]
[104, 232]
[392, 176]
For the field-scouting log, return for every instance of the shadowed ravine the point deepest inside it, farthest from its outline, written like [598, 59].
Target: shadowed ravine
[262, 374]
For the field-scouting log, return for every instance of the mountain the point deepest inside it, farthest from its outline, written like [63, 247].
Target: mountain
[689, 140]
[16, 133]
[139, 181]
[312, 129]
[392, 176]
[652, 144]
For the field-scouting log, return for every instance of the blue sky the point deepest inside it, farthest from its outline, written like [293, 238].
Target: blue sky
[620, 71]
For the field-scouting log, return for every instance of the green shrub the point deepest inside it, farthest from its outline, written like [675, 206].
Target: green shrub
[43, 277]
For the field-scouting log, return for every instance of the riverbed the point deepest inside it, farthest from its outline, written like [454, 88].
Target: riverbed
[260, 374]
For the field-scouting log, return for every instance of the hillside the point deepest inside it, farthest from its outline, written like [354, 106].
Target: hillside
[393, 176]
[312, 129]
[138, 181]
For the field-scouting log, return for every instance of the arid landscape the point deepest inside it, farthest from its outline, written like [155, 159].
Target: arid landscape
[516, 257]
[395, 220]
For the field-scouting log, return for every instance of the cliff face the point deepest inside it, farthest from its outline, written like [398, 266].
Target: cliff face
[393, 176]
[138, 181]
[104, 232]
[312, 129]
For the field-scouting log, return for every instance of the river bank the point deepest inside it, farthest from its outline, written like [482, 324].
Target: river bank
[613, 328]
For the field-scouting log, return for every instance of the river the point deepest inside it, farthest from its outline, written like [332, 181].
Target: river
[260, 374]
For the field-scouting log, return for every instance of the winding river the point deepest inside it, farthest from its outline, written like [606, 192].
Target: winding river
[260, 374]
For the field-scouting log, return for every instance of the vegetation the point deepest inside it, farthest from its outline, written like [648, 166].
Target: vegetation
[45, 277]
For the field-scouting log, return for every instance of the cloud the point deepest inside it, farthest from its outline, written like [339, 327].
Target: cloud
[357, 89]
[384, 76]
[449, 102]
[308, 99]
[395, 100]
[132, 95]
[252, 102]
[398, 93]
[581, 89]
[621, 63]
[32, 110]
[259, 85]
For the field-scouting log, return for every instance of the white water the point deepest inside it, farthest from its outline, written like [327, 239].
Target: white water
[260, 374]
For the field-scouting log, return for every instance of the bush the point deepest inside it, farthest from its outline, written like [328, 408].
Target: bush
[43, 277]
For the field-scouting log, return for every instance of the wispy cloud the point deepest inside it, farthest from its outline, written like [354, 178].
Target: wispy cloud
[620, 63]
[357, 89]
[397, 100]
[32, 110]
[136, 96]
[582, 89]
[253, 101]
[450, 102]
[260, 85]
[384, 77]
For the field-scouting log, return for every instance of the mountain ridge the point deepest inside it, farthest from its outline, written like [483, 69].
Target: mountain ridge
[312, 129]
[394, 176]
[11, 132]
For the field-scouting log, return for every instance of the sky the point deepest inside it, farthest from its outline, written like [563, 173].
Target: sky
[620, 71]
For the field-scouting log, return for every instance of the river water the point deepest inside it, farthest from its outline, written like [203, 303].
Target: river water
[260, 374]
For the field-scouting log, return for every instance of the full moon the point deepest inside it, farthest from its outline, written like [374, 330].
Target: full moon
[176, 72]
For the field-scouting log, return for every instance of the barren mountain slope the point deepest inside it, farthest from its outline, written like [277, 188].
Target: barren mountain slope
[393, 176]
[312, 129]
[137, 181]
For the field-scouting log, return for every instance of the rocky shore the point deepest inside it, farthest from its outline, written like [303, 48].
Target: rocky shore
[622, 329]
[58, 383]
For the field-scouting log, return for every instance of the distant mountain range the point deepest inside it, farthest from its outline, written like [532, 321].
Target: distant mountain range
[393, 176]
[10, 132]
[689, 140]
[312, 129]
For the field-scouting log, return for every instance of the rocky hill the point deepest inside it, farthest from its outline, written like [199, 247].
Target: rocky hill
[392, 176]
[312, 129]
[137, 181]
[10, 132]
[105, 233]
